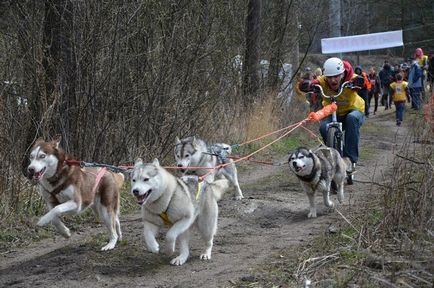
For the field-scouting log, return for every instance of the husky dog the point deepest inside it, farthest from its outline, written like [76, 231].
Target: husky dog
[194, 152]
[71, 189]
[316, 171]
[168, 200]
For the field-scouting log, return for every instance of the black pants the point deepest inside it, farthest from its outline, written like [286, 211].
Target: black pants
[364, 94]
[374, 94]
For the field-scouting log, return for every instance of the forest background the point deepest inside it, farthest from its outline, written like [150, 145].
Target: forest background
[122, 79]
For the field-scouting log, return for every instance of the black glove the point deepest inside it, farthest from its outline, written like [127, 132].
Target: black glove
[358, 81]
[306, 86]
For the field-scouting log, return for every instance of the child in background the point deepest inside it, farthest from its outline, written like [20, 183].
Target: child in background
[399, 95]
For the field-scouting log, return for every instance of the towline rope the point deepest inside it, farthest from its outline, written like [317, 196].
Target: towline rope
[291, 127]
[313, 116]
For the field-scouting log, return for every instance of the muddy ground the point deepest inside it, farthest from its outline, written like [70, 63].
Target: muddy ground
[251, 232]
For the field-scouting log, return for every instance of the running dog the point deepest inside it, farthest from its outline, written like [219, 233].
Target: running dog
[316, 171]
[195, 152]
[178, 203]
[71, 189]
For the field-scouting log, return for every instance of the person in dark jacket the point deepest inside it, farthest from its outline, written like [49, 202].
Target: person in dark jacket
[375, 89]
[386, 75]
[363, 92]
[415, 84]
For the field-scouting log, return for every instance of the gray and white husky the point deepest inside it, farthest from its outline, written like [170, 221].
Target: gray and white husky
[194, 152]
[316, 171]
[178, 203]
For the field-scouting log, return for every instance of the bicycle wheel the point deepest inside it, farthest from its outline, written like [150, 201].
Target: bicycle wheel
[334, 139]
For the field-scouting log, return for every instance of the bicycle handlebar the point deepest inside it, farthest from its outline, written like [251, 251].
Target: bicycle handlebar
[348, 84]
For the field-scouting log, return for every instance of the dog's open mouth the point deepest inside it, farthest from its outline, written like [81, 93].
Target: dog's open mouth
[142, 198]
[298, 169]
[36, 177]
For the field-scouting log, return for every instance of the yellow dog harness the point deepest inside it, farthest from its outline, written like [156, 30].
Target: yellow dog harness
[165, 217]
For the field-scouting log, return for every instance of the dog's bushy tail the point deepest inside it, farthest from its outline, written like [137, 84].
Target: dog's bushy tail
[218, 188]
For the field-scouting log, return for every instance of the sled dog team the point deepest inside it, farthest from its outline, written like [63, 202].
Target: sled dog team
[179, 203]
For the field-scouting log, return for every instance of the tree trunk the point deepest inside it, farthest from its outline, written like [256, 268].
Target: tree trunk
[280, 21]
[251, 58]
[60, 67]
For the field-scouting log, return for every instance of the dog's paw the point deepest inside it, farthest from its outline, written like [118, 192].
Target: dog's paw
[331, 205]
[109, 246]
[65, 233]
[154, 249]
[240, 197]
[178, 261]
[312, 213]
[205, 256]
[341, 197]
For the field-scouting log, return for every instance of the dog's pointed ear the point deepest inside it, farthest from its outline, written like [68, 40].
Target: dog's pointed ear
[156, 162]
[312, 154]
[177, 141]
[56, 141]
[195, 142]
[138, 162]
[39, 141]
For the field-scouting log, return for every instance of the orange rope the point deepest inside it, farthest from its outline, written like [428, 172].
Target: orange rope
[295, 126]
[247, 157]
[254, 161]
[313, 134]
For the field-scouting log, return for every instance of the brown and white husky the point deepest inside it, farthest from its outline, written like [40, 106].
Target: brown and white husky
[70, 189]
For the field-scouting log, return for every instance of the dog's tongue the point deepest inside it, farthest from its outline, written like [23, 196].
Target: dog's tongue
[36, 177]
[298, 168]
[141, 199]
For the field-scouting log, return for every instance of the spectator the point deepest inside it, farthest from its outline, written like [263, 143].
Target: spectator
[400, 91]
[396, 71]
[386, 75]
[317, 73]
[422, 61]
[415, 84]
[404, 71]
[313, 98]
[363, 92]
[375, 90]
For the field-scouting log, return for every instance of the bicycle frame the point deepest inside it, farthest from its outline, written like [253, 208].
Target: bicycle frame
[335, 134]
[336, 139]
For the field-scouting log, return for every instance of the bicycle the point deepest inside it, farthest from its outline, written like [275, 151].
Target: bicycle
[335, 134]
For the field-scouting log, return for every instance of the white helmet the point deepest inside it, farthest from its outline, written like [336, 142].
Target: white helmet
[333, 66]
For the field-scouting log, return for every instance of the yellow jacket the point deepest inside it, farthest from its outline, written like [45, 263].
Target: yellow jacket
[422, 61]
[348, 101]
[399, 91]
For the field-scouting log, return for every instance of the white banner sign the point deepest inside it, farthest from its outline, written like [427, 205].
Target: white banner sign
[362, 42]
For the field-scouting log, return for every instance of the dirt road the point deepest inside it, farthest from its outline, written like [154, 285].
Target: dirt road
[251, 232]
